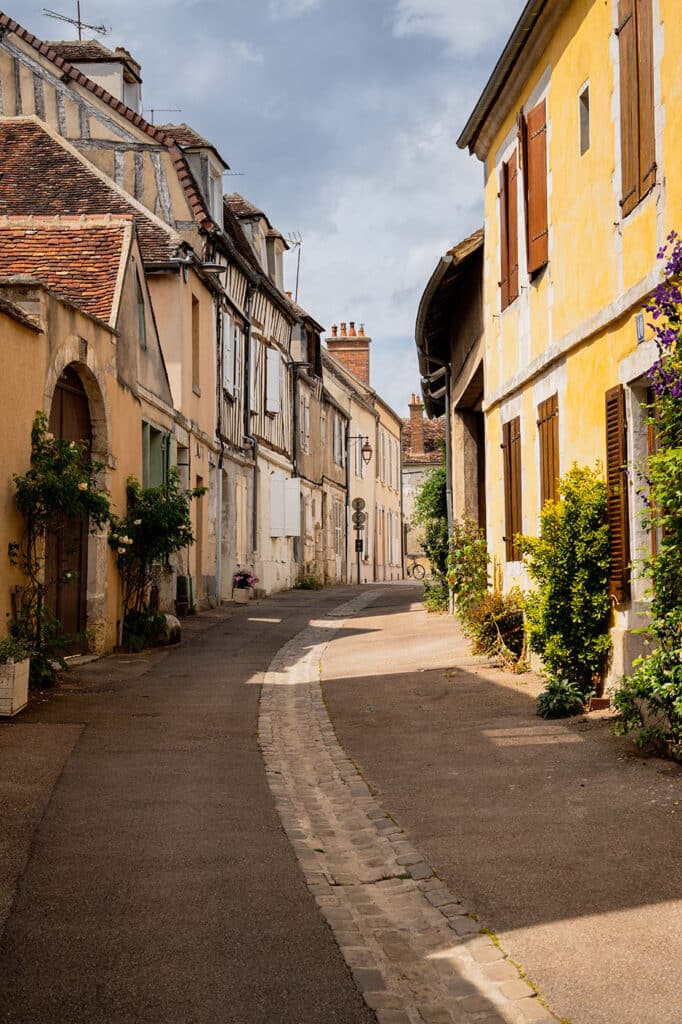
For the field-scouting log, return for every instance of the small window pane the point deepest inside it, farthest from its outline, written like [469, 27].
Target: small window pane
[584, 115]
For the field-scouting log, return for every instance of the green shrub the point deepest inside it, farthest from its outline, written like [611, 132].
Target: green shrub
[567, 613]
[561, 699]
[467, 571]
[430, 512]
[496, 626]
[309, 583]
[436, 596]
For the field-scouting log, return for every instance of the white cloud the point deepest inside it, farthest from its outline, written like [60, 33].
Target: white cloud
[389, 218]
[245, 53]
[291, 8]
[465, 27]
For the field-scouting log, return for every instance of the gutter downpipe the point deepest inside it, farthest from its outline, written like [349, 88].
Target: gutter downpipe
[219, 480]
[348, 529]
[251, 438]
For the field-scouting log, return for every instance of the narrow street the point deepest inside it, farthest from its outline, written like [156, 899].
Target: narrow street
[208, 834]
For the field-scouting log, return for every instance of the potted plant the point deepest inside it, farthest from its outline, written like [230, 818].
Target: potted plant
[242, 585]
[14, 668]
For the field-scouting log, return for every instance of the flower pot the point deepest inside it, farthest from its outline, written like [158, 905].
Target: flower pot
[14, 686]
[241, 595]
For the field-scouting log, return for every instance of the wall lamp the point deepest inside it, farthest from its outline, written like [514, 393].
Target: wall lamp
[366, 450]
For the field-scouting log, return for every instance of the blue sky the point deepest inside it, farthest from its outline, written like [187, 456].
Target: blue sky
[339, 119]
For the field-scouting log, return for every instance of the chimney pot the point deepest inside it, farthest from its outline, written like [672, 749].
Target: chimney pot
[343, 328]
[361, 331]
[335, 330]
[351, 329]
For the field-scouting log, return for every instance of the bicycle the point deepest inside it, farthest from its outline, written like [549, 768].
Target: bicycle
[415, 569]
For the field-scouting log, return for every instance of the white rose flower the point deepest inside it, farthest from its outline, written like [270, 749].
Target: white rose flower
[82, 486]
[121, 551]
[137, 522]
[49, 437]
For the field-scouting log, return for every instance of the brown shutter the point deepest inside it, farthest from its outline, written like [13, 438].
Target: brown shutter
[513, 227]
[536, 176]
[522, 140]
[647, 136]
[629, 105]
[504, 244]
[511, 458]
[548, 430]
[617, 494]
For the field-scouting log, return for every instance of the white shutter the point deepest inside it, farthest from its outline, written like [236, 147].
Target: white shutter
[228, 354]
[238, 359]
[273, 400]
[292, 507]
[277, 505]
[253, 374]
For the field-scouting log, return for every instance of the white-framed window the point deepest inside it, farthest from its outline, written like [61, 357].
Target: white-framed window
[338, 440]
[359, 461]
[228, 355]
[253, 375]
[273, 381]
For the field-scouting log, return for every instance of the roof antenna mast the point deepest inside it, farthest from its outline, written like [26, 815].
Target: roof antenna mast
[296, 241]
[102, 30]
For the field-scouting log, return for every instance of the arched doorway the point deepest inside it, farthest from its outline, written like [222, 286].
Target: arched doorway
[66, 567]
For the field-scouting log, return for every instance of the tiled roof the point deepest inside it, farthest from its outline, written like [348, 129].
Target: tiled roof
[241, 207]
[186, 137]
[40, 176]
[434, 439]
[87, 51]
[192, 192]
[76, 261]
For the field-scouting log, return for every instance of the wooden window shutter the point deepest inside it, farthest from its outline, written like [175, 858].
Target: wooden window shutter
[522, 140]
[536, 185]
[617, 494]
[629, 105]
[548, 432]
[513, 227]
[504, 244]
[511, 457]
[647, 135]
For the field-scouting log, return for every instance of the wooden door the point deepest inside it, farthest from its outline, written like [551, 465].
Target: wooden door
[67, 543]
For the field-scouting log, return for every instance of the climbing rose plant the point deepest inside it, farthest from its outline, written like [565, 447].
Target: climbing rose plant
[61, 484]
[650, 700]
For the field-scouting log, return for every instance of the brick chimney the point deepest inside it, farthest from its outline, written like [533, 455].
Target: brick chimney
[352, 349]
[417, 426]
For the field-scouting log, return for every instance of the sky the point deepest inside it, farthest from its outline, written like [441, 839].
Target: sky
[339, 119]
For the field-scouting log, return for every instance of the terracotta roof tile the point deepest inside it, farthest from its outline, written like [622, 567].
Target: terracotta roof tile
[79, 262]
[434, 439]
[40, 176]
[192, 192]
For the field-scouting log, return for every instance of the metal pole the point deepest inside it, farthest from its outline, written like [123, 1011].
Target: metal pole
[78, 10]
[357, 549]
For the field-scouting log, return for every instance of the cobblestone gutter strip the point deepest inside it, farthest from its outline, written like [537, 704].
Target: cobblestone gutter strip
[415, 952]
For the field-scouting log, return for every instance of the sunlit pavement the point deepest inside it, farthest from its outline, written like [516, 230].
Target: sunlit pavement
[145, 875]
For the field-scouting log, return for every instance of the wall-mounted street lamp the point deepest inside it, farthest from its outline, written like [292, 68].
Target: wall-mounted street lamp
[366, 450]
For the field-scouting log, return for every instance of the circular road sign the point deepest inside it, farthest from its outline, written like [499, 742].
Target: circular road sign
[358, 504]
[359, 519]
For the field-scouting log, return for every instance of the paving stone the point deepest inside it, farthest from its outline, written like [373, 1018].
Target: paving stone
[439, 898]
[435, 1015]
[383, 1000]
[516, 989]
[476, 1004]
[420, 871]
[368, 980]
[392, 1017]
[500, 971]
[463, 925]
[532, 1009]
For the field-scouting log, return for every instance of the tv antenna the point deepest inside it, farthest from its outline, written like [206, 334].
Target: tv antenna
[296, 241]
[153, 111]
[102, 30]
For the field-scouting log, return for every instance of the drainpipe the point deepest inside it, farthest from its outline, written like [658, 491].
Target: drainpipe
[348, 530]
[251, 438]
[219, 479]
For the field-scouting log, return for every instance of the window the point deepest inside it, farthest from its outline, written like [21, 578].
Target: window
[359, 461]
[228, 355]
[339, 530]
[617, 494]
[637, 139]
[141, 319]
[338, 440]
[548, 436]
[509, 242]
[195, 346]
[156, 456]
[533, 150]
[511, 455]
[652, 449]
[273, 396]
[584, 119]
[253, 375]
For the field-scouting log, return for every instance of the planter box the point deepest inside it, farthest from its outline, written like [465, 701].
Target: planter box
[241, 595]
[14, 686]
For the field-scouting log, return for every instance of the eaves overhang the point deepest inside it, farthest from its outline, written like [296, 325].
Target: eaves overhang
[432, 329]
[523, 50]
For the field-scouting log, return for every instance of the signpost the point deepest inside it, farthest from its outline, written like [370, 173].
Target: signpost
[359, 519]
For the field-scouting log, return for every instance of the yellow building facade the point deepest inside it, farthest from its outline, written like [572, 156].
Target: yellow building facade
[579, 130]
